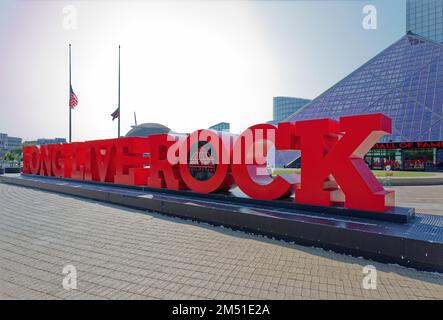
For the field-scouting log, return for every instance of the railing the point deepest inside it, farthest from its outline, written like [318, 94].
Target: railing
[10, 164]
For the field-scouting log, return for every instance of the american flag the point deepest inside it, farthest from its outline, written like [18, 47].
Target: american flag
[73, 102]
[115, 114]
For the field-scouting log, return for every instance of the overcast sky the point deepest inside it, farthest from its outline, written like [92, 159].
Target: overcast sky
[187, 65]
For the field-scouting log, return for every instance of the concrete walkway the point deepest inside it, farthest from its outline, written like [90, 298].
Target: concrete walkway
[425, 199]
[127, 254]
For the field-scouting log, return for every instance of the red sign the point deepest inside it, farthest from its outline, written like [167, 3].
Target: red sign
[205, 161]
[409, 145]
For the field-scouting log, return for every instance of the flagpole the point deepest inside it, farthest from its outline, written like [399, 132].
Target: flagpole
[119, 111]
[69, 103]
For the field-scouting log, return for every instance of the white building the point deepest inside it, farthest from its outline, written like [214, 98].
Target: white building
[8, 142]
[42, 141]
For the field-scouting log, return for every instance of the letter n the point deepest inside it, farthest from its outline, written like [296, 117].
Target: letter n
[46, 160]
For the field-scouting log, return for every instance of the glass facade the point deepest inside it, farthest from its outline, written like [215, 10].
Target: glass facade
[405, 82]
[425, 18]
[283, 107]
[408, 159]
[379, 159]
[222, 126]
[43, 141]
[439, 158]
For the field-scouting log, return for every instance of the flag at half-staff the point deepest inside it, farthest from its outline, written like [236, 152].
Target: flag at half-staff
[115, 114]
[73, 101]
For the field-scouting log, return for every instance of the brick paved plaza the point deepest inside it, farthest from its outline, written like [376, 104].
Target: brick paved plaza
[121, 253]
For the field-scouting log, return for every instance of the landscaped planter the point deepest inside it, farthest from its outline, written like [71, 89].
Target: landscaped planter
[12, 170]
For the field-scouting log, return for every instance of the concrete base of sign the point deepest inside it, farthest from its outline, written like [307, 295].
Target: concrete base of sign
[417, 243]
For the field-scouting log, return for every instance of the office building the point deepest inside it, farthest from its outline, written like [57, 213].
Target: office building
[222, 126]
[425, 18]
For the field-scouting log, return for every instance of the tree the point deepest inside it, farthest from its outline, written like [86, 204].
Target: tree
[17, 153]
[9, 156]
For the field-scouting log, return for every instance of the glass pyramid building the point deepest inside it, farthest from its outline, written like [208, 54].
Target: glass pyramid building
[405, 82]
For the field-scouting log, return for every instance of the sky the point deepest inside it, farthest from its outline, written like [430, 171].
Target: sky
[185, 64]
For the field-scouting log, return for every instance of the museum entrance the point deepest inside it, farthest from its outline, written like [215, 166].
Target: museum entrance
[424, 159]
[418, 159]
[380, 159]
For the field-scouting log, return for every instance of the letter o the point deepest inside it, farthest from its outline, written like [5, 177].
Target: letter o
[222, 178]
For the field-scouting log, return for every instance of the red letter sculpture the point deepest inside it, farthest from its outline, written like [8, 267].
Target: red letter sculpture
[46, 160]
[61, 160]
[212, 154]
[162, 173]
[32, 154]
[324, 154]
[26, 160]
[249, 164]
[78, 160]
[333, 170]
[132, 155]
[100, 160]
